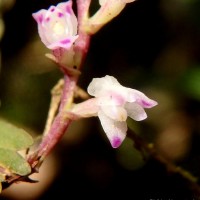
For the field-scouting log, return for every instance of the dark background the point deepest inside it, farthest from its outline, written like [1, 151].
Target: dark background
[152, 46]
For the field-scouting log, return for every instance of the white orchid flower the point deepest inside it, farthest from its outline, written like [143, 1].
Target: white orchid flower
[113, 103]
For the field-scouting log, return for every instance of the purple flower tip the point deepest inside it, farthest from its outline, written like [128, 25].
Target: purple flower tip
[66, 41]
[116, 142]
[60, 14]
[68, 9]
[146, 104]
[149, 104]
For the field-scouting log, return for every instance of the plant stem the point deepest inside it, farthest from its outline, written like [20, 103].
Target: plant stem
[82, 43]
[59, 125]
[62, 120]
[144, 147]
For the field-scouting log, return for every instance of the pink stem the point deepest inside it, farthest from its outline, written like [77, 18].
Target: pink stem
[59, 126]
[83, 9]
[68, 90]
[56, 132]
[61, 121]
[82, 43]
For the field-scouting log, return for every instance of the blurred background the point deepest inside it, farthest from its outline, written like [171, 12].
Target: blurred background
[152, 46]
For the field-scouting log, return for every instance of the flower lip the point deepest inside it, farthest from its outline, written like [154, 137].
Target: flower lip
[116, 142]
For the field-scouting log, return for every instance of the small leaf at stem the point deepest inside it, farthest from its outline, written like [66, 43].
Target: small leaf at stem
[14, 162]
[12, 137]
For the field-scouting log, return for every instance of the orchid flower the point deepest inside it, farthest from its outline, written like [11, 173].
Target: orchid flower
[113, 103]
[107, 11]
[57, 29]
[57, 26]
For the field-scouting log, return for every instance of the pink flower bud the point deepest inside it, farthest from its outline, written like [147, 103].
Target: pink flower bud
[108, 10]
[57, 26]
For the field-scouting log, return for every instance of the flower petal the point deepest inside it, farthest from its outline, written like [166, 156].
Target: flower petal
[65, 43]
[66, 7]
[117, 113]
[87, 108]
[115, 130]
[57, 26]
[140, 98]
[100, 86]
[39, 18]
[135, 111]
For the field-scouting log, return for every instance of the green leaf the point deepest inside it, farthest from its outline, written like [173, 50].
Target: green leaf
[12, 137]
[14, 162]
